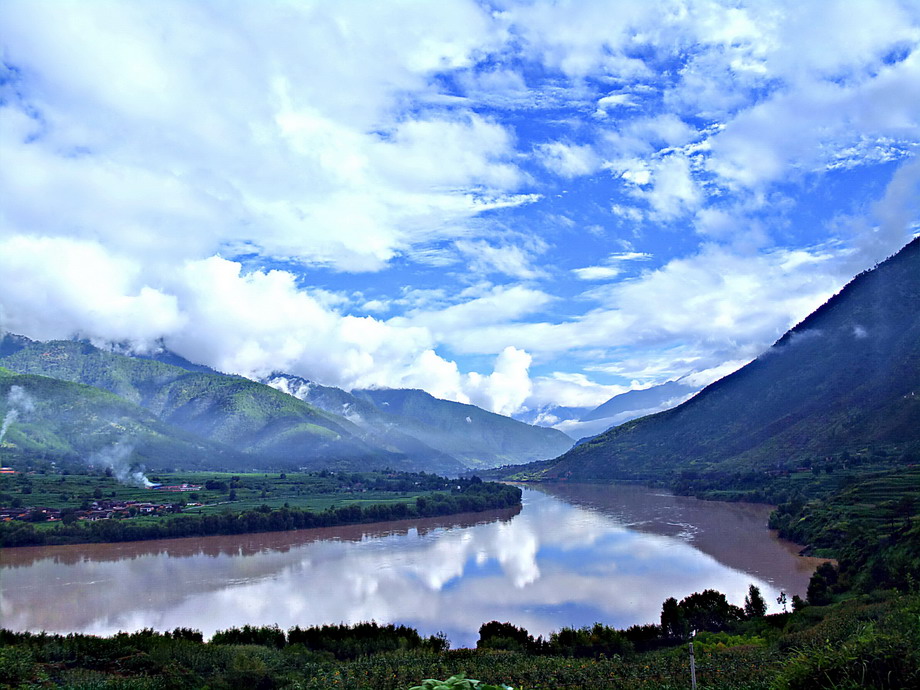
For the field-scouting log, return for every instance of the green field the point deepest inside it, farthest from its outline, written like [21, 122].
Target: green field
[37, 509]
[309, 491]
[231, 492]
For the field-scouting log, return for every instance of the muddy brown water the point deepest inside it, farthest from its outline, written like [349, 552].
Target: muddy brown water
[574, 554]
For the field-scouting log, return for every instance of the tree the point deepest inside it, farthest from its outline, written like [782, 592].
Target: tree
[754, 604]
[819, 587]
[673, 622]
[709, 610]
[495, 635]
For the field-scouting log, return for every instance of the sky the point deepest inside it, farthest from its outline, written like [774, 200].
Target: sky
[514, 204]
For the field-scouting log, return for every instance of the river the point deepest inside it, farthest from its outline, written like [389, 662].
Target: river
[571, 556]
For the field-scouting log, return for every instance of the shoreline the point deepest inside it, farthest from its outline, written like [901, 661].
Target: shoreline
[248, 543]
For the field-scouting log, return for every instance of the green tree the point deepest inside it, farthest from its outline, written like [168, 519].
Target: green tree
[709, 610]
[673, 621]
[754, 604]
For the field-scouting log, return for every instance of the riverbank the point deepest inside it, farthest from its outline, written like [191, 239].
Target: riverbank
[869, 642]
[555, 563]
[464, 496]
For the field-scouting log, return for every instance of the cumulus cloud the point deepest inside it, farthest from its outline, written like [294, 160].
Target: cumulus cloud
[507, 387]
[615, 100]
[568, 160]
[59, 287]
[202, 136]
[568, 389]
[209, 178]
[673, 190]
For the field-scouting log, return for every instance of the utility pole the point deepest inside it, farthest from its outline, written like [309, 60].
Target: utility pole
[692, 669]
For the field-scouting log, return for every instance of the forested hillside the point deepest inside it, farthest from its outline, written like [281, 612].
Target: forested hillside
[263, 427]
[475, 436]
[70, 422]
[845, 380]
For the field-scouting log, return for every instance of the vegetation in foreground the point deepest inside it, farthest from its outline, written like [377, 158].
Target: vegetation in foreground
[67, 509]
[867, 641]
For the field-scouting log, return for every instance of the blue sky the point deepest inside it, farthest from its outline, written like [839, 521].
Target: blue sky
[515, 204]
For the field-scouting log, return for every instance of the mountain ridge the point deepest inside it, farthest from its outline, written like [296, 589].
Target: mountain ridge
[271, 424]
[487, 440]
[845, 377]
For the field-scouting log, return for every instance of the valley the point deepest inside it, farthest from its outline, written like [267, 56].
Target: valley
[285, 480]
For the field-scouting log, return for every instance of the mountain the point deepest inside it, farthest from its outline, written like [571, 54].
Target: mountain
[70, 422]
[845, 379]
[272, 428]
[291, 422]
[417, 422]
[551, 415]
[632, 402]
[475, 437]
[377, 427]
[586, 422]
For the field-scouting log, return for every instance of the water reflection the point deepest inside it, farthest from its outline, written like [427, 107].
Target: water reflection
[573, 556]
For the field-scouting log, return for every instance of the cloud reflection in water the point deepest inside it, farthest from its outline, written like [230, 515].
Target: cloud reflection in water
[554, 564]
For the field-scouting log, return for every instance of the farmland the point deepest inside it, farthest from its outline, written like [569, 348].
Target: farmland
[48, 508]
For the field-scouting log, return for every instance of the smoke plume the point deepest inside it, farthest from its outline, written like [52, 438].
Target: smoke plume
[115, 458]
[18, 402]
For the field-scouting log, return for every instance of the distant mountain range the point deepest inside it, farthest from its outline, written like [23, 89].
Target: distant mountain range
[398, 416]
[585, 422]
[175, 413]
[846, 379]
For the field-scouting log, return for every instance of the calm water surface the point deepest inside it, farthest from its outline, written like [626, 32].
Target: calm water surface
[572, 556]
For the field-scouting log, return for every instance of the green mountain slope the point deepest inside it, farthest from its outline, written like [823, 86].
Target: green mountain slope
[845, 379]
[69, 422]
[377, 427]
[247, 416]
[474, 436]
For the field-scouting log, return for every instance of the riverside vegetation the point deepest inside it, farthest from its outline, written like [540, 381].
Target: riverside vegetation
[66, 509]
[858, 627]
[858, 642]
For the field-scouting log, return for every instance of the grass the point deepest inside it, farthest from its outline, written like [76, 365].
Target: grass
[309, 491]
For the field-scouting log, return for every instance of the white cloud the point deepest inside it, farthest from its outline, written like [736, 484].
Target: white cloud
[510, 259]
[146, 147]
[570, 390]
[700, 379]
[155, 128]
[597, 272]
[673, 190]
[612, 101]
[507, 387]
[801, 129]
[57, 288]
[611, 269]
[688, 315]
[500, 304]
[568, 160]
